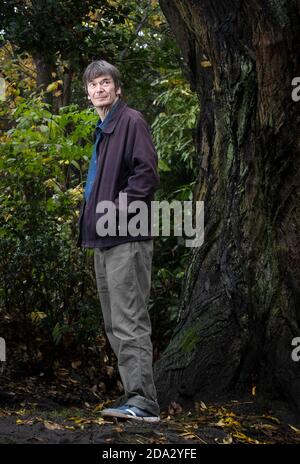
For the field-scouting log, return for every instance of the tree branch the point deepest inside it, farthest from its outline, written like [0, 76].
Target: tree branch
[139, 27]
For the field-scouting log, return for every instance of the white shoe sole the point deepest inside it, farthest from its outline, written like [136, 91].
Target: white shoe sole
[120, 415]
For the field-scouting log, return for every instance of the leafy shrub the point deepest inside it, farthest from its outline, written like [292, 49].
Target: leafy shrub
[173, 138]
[47, 285]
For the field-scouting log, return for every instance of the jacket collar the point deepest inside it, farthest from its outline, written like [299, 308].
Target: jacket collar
[115, 117]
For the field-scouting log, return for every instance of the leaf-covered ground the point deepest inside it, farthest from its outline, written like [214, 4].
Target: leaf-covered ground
[36, 412]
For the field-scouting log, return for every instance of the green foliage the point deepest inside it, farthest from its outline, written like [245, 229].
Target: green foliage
[132, 35]
[45, 279]
[26, 24]
[173, 138]
[172, 128]
[47, 284]
[173, 135]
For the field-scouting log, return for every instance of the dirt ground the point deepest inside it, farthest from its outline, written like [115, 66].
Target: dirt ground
[33, 413]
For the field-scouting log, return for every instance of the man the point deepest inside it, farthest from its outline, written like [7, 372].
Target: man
[124, 161]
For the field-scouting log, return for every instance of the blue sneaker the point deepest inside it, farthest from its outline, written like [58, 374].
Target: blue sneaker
[128, 411]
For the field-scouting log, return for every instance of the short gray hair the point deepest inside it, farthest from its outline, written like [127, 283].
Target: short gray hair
[99, 68]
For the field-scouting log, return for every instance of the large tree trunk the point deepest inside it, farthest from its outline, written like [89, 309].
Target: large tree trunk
[44, 69]
[241, 299]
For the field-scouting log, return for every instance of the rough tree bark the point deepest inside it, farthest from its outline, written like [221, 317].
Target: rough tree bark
[240, 305]
[44, 69]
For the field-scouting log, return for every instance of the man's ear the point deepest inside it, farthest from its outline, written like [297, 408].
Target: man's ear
[118, 92]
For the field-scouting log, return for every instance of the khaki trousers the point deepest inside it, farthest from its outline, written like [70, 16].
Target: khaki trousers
[123, 275]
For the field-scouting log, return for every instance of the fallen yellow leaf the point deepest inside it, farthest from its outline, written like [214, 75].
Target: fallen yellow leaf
[53, 426]
[294, 428]
[274, 419]
[242, 437]
[79, 420]
[24, 422]
[228, 422]
[99, 407]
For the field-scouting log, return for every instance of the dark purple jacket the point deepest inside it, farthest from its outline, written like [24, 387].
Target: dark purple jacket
[127, 162]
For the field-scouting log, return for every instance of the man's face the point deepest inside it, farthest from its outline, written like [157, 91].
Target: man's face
[102, 91]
